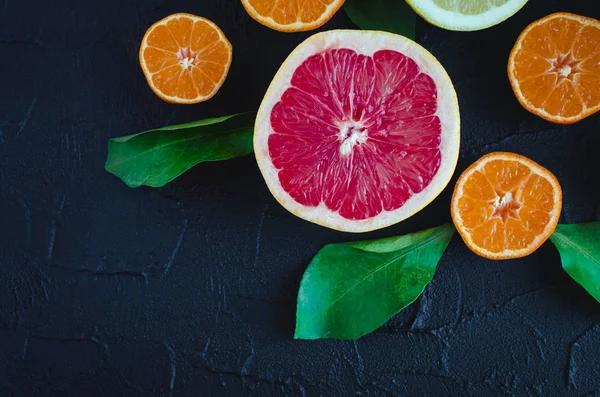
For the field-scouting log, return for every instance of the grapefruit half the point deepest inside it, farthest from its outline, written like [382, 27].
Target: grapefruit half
[358, 130]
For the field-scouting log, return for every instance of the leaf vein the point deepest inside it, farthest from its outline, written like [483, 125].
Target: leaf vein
[429, 239]
[175, 142]
[579, 248]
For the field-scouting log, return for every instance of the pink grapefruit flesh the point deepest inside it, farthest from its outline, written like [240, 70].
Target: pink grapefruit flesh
[358, 130]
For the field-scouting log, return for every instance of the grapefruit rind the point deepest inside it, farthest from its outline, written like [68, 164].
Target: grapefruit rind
[148, 74]
[536, 169]
[367, 43]
[296, 26]
[453, 20]
[515, 83]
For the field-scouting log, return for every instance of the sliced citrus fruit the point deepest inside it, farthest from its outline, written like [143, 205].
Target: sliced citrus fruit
[292, 15]
[185, 58]
[358, 130]
[506, 206]
[554, 68]
[466, 14]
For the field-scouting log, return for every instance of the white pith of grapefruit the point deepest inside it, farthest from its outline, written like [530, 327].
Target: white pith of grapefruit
[358, 130]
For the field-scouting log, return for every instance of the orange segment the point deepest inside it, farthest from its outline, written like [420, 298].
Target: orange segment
[181, 30]
[533, 221]
[537, 194]
[490, 235]
[480, 187]
[588, 87]
[531, 65]
[539, 41]
[587, 42]
[517, 236]
[203, 81]
[159, 36]
[474, 212]
[538, 89]
[203, 36]
[554, 68]
[506, 206]
[591, 66]
[564, 101]
[292, 15]
[166, 80]
[157, 59]
[185, 58]
[186, 87]
[505, 175]
[562, 33]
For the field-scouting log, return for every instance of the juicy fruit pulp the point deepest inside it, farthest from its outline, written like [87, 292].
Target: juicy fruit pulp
[554, 68]
[358, 130]
[466, 14]
[506, 206]
[469, 7]
[185, 58]
[292, 15]
[358, 133]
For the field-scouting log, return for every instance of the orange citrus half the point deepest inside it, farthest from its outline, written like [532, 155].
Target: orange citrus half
[506, 206]
[292, 15]
[554, 68]
[185, 58]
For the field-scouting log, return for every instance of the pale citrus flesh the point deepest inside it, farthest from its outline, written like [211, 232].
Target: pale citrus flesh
[353, 135]
[506, 206]
[466, 15]
[554, 68]
[185, 58]
[292, 15]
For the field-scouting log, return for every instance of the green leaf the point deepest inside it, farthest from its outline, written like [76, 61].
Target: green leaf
[352, 289]
[394, 16]
[579, 248]
[156, 157]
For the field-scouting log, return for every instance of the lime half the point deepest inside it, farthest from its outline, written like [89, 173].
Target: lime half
[466, 14]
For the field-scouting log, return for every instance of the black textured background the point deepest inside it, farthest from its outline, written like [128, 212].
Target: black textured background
[191, 289]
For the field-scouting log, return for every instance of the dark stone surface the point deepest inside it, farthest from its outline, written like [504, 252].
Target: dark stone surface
[190, 289]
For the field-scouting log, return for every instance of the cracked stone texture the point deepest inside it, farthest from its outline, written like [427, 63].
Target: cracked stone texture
[191, 289]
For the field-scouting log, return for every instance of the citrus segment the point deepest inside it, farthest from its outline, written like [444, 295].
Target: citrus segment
[185, 58]
[466, 14]
[554, 68]
[292, 15]
[402, 108]
[358, 130]
[506, 206]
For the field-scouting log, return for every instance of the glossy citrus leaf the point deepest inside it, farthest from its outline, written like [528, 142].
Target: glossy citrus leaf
[156, 157]
[352, 289]
[579, 248]
[394, 16]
